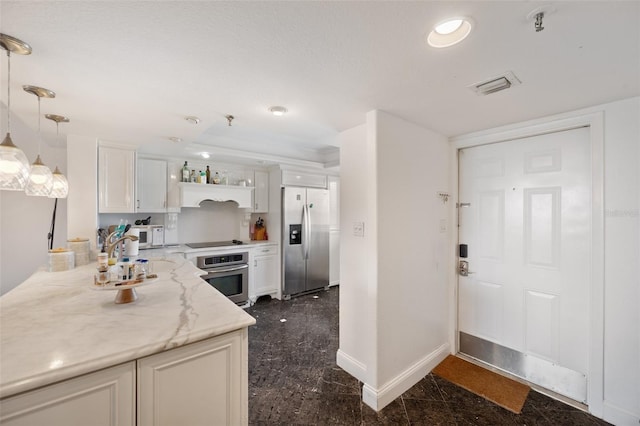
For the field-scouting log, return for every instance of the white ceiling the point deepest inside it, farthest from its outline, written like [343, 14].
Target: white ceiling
[131, 71]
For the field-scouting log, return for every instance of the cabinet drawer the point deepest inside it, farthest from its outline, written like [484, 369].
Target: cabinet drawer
[265, 250]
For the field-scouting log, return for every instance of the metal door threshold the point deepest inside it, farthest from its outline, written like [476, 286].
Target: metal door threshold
[521, 367]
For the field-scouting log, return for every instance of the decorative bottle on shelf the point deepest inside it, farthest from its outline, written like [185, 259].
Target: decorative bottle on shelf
[192, 177]
[208, 173]
[185, 173]
[216, 178]
[203, 177]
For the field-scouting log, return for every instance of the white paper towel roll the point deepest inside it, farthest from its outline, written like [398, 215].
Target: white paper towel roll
[131, 247]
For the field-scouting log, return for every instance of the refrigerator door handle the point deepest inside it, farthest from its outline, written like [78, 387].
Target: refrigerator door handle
[306, 226]
[304, 231]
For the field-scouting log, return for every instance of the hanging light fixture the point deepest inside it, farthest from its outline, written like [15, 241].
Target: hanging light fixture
[40, 180]
[60, 185]
[14, 166]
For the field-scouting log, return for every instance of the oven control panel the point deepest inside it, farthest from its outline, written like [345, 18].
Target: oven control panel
[218, 260]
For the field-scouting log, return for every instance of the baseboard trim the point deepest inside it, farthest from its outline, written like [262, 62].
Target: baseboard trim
[380, 398]
[351, 365]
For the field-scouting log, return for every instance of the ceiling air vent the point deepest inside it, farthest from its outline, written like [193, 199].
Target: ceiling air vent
[495, 84]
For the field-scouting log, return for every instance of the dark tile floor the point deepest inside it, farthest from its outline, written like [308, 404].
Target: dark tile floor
[294, 379]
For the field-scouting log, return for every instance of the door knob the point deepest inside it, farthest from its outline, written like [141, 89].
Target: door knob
[463, 268]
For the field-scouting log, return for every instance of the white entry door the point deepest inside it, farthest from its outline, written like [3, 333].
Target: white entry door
[525, 216]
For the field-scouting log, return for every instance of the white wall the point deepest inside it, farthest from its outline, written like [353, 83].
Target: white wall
[622, 261]
[394, 284]
[412, 167]
[212, 221]
[25, 221]
[82, 157]
[357, 307]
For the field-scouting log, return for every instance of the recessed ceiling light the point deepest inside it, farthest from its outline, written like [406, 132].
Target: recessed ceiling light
[192, 119]
[278, 110]
[449, 32]
[448, 27]
[175, 139]
[205, 155]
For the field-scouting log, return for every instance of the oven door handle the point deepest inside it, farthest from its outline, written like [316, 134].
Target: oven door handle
[235, 268]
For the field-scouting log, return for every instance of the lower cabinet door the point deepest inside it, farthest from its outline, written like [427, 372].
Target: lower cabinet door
[204, 383]
[106, 397]
[266, 275]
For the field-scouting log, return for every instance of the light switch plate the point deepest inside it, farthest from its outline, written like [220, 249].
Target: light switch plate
[358, 229]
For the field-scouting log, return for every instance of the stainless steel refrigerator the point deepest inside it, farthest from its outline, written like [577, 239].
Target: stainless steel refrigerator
[305, 240]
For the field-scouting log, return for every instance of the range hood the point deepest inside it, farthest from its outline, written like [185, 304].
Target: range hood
[192, 194]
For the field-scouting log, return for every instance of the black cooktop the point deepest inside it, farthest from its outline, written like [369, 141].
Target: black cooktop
[215, 244]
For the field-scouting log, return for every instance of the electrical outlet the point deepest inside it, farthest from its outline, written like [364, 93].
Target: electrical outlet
[443, 225]
[358, 229]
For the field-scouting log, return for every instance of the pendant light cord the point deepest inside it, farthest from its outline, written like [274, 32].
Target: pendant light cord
[39, 135]
[53, 225]
[8, 92]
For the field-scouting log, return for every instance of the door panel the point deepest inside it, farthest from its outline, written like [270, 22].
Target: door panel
[491, 225]
[489, 315]
[543, 311]
[542, 227]
[527, 225]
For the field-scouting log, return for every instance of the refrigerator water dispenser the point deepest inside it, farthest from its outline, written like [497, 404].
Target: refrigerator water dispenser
[295, 234]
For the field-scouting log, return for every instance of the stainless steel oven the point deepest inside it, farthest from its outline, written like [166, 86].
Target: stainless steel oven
[228, 273]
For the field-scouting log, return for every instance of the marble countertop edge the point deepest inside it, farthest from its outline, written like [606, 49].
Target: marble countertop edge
[54, 326]
[60, 374]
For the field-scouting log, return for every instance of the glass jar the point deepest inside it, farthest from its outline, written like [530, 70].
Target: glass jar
[141, 268]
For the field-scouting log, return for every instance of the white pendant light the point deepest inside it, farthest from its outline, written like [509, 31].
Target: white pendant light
[60, 184]
[40, 181]
[14, 166]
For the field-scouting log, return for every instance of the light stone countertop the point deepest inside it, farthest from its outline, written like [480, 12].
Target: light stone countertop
[55, 325]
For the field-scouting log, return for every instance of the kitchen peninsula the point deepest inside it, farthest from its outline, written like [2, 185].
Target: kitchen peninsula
[70, 355]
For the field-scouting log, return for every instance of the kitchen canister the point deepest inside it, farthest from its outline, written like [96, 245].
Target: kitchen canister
[80, 246]
[131, 247]
[61, 259]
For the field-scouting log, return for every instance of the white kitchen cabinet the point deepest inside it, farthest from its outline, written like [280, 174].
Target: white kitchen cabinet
[202, 383]
[116, 180]
[266, 271]
[106, 397]
[151, 194]
[261, 192]
[308, 180]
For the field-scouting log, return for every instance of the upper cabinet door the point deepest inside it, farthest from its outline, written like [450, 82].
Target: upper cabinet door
[174, 175]
[152, 186]
[116, 180]
[261, 192]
